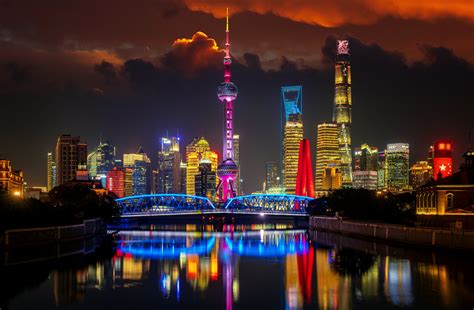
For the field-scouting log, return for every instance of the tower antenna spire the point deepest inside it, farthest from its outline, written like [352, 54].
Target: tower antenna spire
[227, 43]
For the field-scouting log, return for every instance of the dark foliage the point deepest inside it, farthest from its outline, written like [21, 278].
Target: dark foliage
[363, 204]
[67, 204]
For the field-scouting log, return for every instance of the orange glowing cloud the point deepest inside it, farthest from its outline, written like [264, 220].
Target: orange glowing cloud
[339, 12]
[192, 55]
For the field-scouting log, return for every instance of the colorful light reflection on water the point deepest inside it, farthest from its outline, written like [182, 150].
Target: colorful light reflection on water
[238, 268]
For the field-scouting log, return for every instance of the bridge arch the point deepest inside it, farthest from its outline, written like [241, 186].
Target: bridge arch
[269, 203]
[163, 204]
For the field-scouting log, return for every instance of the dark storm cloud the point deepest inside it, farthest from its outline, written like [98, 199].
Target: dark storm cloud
[142, 75]
[107, 70]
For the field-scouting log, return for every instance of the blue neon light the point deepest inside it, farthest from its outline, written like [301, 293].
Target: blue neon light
[165, 195]
[140, 250]
[259, 249]
[282, 196]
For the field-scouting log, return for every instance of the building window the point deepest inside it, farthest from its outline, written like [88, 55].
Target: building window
[449, 201]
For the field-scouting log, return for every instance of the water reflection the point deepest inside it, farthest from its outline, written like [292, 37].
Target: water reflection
[200, 258]
[241, 268]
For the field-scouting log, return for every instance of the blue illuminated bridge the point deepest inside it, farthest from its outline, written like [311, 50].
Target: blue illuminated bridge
[180, 204]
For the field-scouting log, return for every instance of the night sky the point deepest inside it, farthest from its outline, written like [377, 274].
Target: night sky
[133, 70]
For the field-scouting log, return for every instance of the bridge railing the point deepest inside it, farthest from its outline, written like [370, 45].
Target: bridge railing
[272, 203]
[163, 203]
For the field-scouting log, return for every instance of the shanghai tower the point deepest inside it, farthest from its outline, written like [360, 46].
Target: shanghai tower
[342, 110]
[227, 170]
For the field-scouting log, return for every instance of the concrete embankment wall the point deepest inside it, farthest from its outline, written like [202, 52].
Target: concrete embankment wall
[32, 236]
[447, 238]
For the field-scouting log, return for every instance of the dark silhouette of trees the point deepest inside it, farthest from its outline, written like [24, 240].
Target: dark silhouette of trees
[363, 204]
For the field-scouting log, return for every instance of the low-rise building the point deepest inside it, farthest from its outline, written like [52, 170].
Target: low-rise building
[11, 181]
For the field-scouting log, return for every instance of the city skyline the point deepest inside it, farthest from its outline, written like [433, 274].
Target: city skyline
[390, 103]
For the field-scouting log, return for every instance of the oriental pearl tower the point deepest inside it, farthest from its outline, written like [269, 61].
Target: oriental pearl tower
[227, 92]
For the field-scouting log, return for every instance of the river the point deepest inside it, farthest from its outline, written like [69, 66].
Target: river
[243, 267]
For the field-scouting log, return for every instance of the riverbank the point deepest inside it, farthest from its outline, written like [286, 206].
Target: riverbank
[56, 234]
[429, 237]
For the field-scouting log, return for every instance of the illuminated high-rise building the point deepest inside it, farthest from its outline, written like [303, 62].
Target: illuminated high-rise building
[116, 182]
[304, 178]
[228, 170]
[342, 110]
[101, 160]
[367, 179]
[182, 178]
[365, 174]
[420, 174]
[169, 161]
[332, 178]
[397, 166]
[141, 176]
[291, 145]
[291, 104]
[238, 182]
[442, 159]
[272, 176]
[205, 181]
[381, 171]
[327, 152]
[128, 181]
[70, 154]
[365, 158]
[51, 172]
[197, 151]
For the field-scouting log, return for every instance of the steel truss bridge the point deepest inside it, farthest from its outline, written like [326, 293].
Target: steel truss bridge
[180, 204]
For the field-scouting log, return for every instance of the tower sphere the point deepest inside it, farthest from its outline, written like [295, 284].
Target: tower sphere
[227, 91]
[227, 169]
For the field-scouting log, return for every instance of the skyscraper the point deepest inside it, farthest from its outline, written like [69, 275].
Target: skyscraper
[304, 178]
[101, 160]
[442, 159]
[116, 182]
[141, 174]
[332, 178]
[70, 153]
[227, 171]
[237, 183]
[169, 161]
[365, 158]
[342, 110]
[272, 175]
[197, 151]
[291, 103]
[291, 144]
[51, 172]
[365, 174]
[327, 151]
[205, 181]
[397, 166]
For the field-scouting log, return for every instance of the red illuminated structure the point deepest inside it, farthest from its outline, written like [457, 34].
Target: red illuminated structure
[116, 182]
[442, 159]
[304, 178]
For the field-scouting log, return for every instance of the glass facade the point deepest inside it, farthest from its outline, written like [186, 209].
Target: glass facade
[342, 114]
[138, 177]
[169, 161]
[397, 166]
[327, 151]
[292, 136]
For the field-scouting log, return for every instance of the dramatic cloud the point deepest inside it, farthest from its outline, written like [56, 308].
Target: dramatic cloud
[192, 55]
[339, 12]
